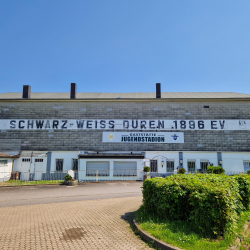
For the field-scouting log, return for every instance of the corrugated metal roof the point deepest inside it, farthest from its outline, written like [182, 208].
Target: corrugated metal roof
[138, 95]
[4, 155]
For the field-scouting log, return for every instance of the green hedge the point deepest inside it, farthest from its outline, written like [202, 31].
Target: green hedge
[244, 189]
[212, 202]
[215, 170]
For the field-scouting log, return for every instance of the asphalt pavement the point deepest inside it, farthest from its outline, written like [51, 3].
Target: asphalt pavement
[47, 194]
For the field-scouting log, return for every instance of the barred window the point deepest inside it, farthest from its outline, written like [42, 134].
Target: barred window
[26, 160]
[170, 166]
[153, 166]
[38, 160]
[191, 166]
[246, 165]
[4, 162]
[75, 165]
[59, 165]
[204, 165]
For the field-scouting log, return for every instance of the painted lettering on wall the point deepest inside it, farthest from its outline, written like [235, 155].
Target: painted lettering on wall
[147, 137]
[135, 124]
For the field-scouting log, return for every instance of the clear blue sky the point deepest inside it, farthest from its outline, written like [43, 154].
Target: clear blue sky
[125, 45]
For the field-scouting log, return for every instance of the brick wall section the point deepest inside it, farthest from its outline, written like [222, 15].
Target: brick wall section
[92, 139]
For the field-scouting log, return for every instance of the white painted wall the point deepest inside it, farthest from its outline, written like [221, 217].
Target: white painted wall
[5, 170]
[83, 163]
[31, 167]
[163, 156]
[233, 161]
[198, 157]
[67, 159]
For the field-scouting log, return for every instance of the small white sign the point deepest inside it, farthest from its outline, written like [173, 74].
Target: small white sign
[71, 173]
[143, 137]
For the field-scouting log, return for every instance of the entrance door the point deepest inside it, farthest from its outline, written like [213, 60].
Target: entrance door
[153, 166]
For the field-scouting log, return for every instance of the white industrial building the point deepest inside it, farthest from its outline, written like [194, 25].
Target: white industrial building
[112, 136]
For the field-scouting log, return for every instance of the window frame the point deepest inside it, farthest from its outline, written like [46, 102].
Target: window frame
[246, 161]
[204, 161]
[191, 161]
[38, 159]
[4, 162]
[172, 161]
[62, 165]
[156, 166]
[75, 159]
[26, 159]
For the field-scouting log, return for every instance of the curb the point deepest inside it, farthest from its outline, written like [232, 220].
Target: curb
[33, 185]
[149, 238]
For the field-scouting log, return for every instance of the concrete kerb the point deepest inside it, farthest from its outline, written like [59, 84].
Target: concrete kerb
[32, 185]
[149, 238]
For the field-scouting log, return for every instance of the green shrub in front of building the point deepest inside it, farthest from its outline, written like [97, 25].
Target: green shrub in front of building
[146, 169]
[215, 170]
[68, 177]
[212, 203]
[181, 171]
[244, 188]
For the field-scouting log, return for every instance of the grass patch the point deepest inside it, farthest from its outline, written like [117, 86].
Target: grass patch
[21, 183]
[182, 234]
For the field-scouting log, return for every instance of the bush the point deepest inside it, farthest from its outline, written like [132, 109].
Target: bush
[244, 188]
[211, 202]
[182, 171]
[146, 169]
[215, 170]
[248, 172]
[68, 177]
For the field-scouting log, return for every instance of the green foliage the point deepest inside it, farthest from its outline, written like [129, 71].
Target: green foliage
[68, 177]
[244, 188]
[212, 203]
[248, 172]
[181, 233]
[182, 171]
[20, 183]
[215, 170]
[146, 169]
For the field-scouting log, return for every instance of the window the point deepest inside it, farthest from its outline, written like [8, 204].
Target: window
[204, 165]
[170, 166]
[4, 162]
[59, 165]
[153, 166]
[191, 166]
[38, 160]
[26, 160]
[97, 168]
[246, 165]
[125, 168]
[75, 165]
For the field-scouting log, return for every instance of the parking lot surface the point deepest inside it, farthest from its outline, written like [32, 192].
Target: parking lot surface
[82, 224]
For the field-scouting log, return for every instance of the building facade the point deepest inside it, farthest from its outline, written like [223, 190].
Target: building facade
[111, 133]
